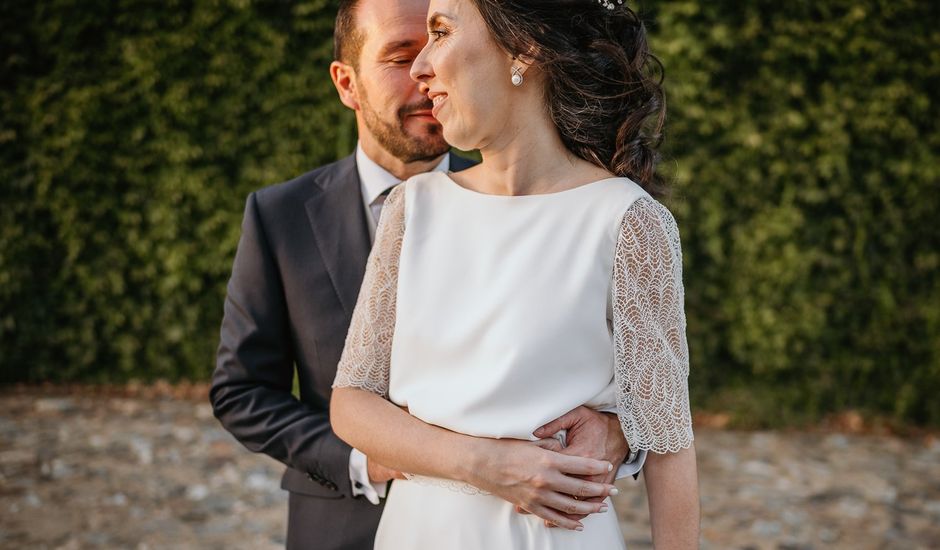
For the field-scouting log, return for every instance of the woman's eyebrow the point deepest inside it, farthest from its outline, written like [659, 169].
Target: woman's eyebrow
[436, 17]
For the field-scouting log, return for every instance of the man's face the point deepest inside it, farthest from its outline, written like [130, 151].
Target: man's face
[392, 109]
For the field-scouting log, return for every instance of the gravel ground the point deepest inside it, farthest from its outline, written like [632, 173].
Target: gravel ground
[87, 471]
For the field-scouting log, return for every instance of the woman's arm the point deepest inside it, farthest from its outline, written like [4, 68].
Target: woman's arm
[672, 486]
[653, 367]
[538, 480]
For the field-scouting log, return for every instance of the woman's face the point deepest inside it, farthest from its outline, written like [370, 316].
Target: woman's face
[465, 74]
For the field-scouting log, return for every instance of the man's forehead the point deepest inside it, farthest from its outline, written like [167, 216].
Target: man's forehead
[392, 24]
[387, 14]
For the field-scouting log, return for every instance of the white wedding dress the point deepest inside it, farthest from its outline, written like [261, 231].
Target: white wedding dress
[491, 315]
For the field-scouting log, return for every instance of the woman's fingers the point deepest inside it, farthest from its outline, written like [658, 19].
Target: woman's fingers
[569, 505]
[580, 488]
[556, 518]
[581, 466]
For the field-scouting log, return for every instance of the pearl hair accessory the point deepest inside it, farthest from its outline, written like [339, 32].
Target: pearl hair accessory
[516, 76]
[609, 3]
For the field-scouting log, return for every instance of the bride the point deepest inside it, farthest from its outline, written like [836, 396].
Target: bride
[545, 278]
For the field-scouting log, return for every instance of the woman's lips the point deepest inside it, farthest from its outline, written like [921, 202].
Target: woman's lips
[438, 100]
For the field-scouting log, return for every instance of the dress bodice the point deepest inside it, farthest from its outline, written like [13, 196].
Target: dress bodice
[502, 315]
[491, 315]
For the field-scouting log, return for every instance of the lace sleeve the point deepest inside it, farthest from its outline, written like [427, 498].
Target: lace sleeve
[367, 355]
[651, 352]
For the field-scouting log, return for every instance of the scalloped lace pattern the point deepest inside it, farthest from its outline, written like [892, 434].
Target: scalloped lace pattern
[367, 354]
[455, 486]
[652, 355]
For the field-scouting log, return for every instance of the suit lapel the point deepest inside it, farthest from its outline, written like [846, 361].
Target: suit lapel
[340, 228]
[336, 215]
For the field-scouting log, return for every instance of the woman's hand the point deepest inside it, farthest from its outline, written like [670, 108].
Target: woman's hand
[541, 481]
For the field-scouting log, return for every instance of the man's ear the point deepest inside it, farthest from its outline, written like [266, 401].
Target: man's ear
[344, 78]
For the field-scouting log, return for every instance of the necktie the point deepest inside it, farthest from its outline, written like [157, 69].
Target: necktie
[376, 206]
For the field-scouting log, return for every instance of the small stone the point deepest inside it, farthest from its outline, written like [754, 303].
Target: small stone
[852, 508]
[262, 483]
[16, 456]
[828, 535]
[184, 434]
[53, 405]
[932, 507]
[142, 449]
[32, 500]
[197, 492]
[758, 468]
[204, 412]
[60, 470]
[765, 528]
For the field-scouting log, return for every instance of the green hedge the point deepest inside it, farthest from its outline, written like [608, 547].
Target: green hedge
[802, 137]
[807, 151]
[138, 128]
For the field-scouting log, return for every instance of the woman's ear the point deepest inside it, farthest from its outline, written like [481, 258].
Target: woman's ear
[521, 62]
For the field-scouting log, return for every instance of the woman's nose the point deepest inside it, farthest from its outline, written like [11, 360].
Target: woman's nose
[421, 70]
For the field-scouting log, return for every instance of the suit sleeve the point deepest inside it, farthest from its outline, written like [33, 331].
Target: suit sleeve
[251, 386]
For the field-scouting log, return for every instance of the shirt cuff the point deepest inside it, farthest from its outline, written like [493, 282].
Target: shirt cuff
[359, 478]
[632, 468]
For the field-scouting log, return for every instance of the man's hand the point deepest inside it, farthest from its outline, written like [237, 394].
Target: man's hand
[381, 474]
[590, 434]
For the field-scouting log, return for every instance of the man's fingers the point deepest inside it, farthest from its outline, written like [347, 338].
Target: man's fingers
[563, 422]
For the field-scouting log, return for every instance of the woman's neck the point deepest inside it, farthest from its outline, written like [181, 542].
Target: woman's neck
[529, 158]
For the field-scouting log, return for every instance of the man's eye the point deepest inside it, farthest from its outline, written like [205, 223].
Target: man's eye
[437, 34]
[402, 61]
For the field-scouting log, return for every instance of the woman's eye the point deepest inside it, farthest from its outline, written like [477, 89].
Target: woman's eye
[437, 33]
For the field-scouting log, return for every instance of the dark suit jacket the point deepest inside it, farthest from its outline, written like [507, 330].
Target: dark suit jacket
[294, 284]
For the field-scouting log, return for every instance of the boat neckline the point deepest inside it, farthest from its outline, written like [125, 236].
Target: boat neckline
[454, 183]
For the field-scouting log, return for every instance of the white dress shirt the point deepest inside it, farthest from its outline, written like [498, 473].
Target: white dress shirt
[374, 181]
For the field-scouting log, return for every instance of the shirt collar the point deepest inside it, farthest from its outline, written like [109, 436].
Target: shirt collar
[376, 180]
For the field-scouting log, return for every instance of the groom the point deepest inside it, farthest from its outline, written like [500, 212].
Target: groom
[296, 276]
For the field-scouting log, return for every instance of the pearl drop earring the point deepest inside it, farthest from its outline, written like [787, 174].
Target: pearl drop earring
[516, 76]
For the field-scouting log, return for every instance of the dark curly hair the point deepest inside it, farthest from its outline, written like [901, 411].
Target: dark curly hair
[603, 87]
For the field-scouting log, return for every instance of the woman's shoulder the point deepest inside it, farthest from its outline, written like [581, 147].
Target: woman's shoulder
[423, 179]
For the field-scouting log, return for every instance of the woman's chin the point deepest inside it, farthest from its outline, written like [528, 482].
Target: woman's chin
[458, 140]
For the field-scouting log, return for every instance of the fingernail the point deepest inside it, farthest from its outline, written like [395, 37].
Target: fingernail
[614, 492]
[579, 527]
[603, 508]
[610, 467]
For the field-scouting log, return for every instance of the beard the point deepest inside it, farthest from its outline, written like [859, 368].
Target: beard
[395, 139]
